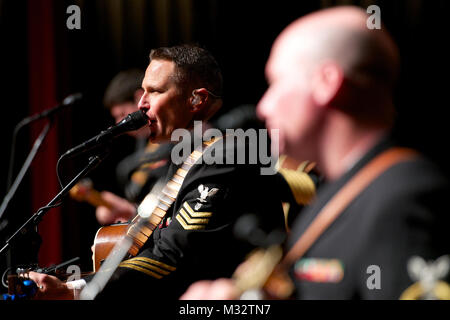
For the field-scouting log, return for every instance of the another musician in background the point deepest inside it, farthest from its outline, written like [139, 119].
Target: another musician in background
[122, 97]
[331, 82]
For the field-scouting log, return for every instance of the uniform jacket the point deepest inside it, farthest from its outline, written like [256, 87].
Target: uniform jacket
[196, 240]
[404, 212]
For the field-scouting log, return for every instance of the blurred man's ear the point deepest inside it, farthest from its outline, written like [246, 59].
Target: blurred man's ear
[198, 99]
[203, 105]
[327, 83]
[137, 95]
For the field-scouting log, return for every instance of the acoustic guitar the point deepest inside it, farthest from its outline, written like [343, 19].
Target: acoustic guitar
[151, 210]
[83, 191]
[107, 236]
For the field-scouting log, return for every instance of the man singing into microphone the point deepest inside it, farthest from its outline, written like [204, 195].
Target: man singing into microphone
[121, 98]
[194, 240]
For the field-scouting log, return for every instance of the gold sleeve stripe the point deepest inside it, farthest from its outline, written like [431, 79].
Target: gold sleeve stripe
[148, 266]
[189, 227]
[190, 220]
[154, 262]
[195, 214]
[301, 185]
[138, 268]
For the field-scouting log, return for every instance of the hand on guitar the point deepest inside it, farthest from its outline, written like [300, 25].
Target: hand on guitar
[50, 287]
[220, 289]
[119, 209]
[110, 207]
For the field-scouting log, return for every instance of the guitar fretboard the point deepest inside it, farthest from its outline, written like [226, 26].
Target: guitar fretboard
[167, 197]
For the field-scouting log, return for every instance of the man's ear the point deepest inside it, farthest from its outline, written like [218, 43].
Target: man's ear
[198, 99]
[202, 105]
[137, 95]
[327, 83]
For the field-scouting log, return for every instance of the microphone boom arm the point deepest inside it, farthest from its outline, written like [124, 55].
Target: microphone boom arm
[36, 146]
[36, 218]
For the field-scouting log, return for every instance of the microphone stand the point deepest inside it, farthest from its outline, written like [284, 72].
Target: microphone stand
[36, 146]
[34, 220]
[48, 113]
[19, 126]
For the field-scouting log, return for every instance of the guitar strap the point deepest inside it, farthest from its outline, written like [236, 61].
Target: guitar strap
[279, 285]
[168, 195]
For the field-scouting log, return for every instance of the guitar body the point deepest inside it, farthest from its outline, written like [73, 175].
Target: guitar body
[105, 240]
[106, 237]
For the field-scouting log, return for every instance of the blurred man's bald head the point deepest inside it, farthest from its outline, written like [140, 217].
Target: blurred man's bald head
[369, 59]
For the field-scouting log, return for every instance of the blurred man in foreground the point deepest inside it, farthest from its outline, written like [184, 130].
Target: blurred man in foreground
[331, 81]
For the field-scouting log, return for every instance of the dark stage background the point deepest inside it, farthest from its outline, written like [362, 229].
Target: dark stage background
[41, 62]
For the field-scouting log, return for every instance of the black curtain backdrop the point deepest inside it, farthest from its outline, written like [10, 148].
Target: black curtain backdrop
[118, 34]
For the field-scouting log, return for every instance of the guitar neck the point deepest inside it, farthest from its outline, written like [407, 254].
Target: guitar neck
[83, 191]
[166, 198]
[95, 198]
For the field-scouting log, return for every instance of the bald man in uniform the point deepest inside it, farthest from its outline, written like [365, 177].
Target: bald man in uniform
[331, 81]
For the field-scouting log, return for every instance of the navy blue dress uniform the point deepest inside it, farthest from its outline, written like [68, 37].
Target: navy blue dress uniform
[364, 253]
[144, 178]
[140, 171]
[195, 240]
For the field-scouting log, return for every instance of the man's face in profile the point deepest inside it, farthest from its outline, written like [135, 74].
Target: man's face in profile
[164, 101]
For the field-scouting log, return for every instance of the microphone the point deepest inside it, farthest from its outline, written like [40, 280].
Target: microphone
[68, 101]
[131, 122]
